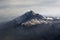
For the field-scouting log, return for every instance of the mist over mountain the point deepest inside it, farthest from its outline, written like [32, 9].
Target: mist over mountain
[31, 26]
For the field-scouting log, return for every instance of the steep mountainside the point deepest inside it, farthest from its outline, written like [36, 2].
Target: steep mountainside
[30, 26]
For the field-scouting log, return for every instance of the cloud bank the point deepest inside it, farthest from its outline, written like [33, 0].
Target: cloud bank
[10, 9]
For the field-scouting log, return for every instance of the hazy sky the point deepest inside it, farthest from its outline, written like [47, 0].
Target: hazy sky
[12, 8]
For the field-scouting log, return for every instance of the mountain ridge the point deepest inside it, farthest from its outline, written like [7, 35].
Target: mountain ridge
[27, 16]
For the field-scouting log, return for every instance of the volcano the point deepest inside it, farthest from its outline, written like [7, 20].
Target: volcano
[30, 26]
[27, 16]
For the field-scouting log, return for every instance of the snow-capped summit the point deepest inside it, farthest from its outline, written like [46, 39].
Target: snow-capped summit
[28, 16]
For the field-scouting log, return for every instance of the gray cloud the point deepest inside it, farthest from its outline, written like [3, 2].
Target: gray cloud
[28, 3]
[9, 9]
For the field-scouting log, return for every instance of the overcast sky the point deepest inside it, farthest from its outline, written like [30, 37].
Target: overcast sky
[12, 8]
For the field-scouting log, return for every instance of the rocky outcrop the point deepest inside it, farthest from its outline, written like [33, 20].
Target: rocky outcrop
[34, 22]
